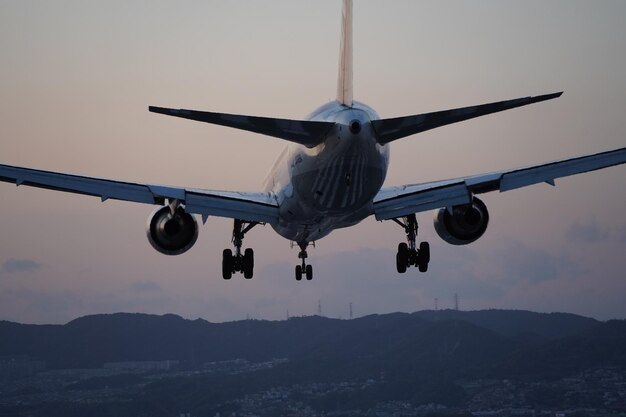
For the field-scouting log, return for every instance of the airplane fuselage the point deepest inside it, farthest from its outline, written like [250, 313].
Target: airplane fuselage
[331, 185]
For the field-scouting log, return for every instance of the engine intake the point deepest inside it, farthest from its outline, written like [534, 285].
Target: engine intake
[172, 234]
[466, 224]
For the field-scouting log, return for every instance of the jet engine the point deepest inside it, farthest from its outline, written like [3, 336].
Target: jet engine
[172, 234]
[465, 224]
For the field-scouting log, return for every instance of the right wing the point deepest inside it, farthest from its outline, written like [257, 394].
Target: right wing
[394, 202]
[388, 130]
[258, 207]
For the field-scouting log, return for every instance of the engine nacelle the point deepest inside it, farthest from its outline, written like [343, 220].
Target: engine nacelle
[172, 234]
[464, 225]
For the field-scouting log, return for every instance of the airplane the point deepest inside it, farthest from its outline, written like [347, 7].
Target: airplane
[329, 176]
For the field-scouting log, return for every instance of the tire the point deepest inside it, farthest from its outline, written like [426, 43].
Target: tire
[227, 264]
[298, 272]
[402, 257]
[423, 257]
[248, 263]
[400, 263]
[309, 272]
[248, 255]
[424, 252]
[403, 248]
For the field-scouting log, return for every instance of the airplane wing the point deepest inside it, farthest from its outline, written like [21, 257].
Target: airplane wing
[393, 202]
[258, 207]
[388, 130]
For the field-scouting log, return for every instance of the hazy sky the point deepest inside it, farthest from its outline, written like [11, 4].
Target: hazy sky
[76, 78]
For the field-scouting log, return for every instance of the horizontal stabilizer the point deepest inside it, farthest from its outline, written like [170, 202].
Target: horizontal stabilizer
[388, 130]
[304, 132]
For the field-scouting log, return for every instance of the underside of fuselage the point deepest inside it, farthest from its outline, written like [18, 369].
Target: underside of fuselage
[331, 185]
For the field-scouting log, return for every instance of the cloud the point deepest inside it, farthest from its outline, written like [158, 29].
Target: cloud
[145, 286]
[20, 265]
[523, 263]
[590, 231]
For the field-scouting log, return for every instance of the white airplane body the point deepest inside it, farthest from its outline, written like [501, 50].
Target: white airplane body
[330, 176]
[331, 185]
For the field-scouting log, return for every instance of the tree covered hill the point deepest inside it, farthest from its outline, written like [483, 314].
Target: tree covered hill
[447, 342]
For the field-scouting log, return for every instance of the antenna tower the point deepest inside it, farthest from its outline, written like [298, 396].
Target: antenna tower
[456, 302]
[350, 310]
[436, 304]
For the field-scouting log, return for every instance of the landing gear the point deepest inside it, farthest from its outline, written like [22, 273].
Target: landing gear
[239, 262]
[408, 253]
[304, 269]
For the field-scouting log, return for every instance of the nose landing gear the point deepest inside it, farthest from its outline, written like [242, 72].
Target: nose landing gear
[303, 269]
[408, 253]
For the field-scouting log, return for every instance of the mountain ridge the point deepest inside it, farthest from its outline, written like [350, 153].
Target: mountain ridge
[422, 338]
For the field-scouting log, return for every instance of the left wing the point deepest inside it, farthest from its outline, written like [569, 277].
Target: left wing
[393, 202]
[258, 207]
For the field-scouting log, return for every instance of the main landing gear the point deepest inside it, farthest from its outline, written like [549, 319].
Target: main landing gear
[304, 269]
[408, 254]
[239, 262]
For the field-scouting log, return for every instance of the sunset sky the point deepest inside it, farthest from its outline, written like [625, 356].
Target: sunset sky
[77, 77]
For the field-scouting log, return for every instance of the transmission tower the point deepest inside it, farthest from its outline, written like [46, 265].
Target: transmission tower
[436, 304]
[350, 310]
[456, 302]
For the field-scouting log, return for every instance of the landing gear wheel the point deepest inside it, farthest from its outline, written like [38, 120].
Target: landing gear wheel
[423, 257]
[424, 252]
[402, 257]
[298, 272]
[227, 264]
[248, 263]
[309, 272]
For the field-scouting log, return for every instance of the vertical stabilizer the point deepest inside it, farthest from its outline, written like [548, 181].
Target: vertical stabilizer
[344, 82]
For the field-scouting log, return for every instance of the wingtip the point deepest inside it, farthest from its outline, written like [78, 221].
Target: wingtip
[161, 110]
[545, 97]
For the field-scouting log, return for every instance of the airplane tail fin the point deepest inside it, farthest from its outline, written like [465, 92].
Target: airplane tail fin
[344, 80]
